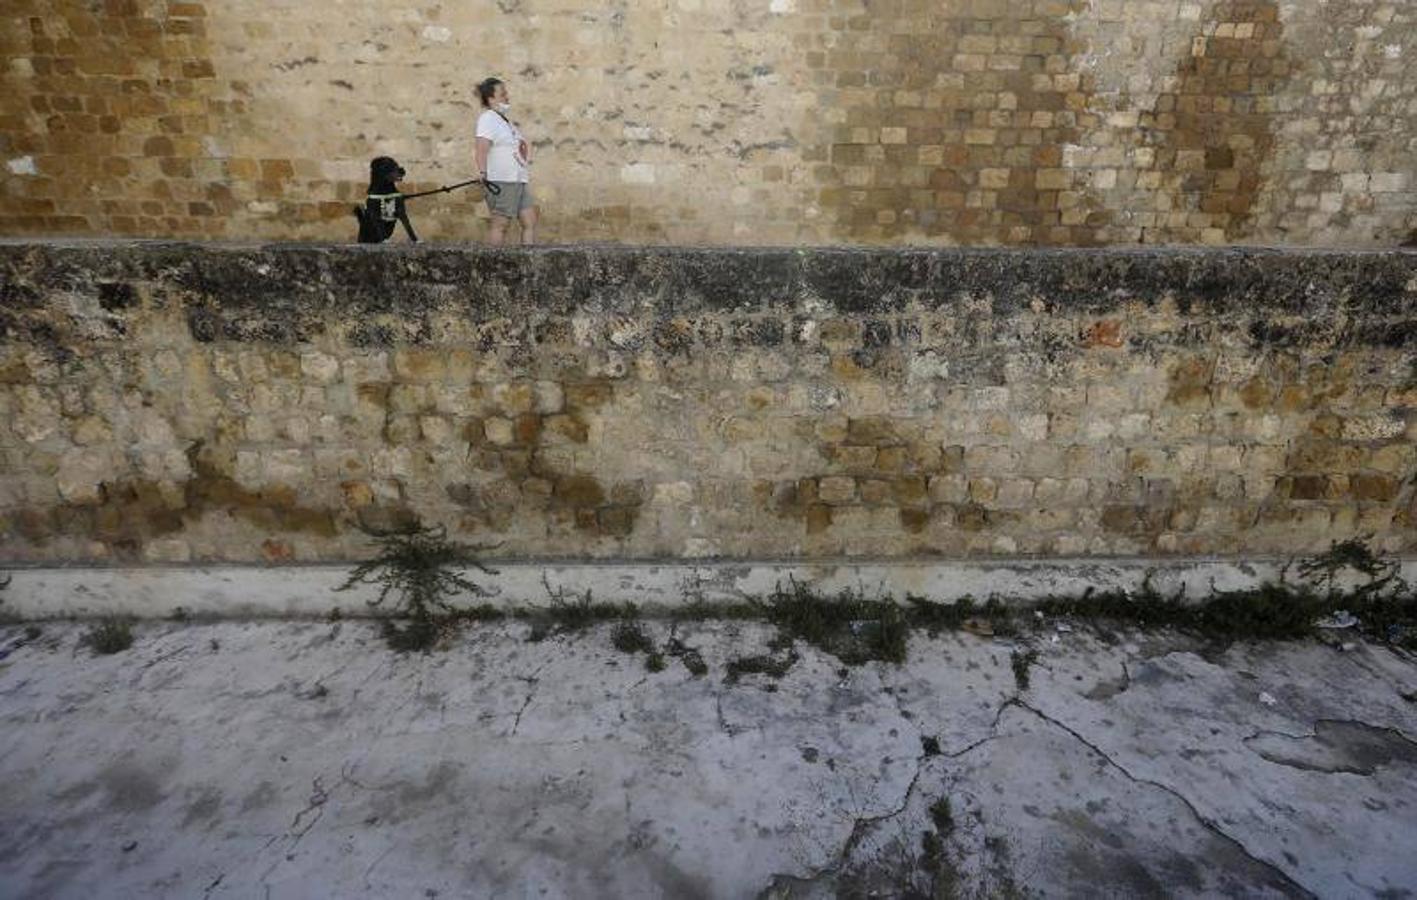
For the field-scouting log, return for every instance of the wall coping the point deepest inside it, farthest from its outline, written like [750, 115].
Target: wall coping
[559, 279]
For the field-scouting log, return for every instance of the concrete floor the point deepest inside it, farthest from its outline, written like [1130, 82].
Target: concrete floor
[305, 760]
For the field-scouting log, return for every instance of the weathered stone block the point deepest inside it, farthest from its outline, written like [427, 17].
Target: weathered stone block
[567, 428]
[910, 491]
[875, 491]
[587, 395]
[854, 457]
[420, 365]
[996, 460]
[818, 518]
[617, 521]
[170, 550]
[873, 430]
[914, 521]
[514, 399]
[1381, 488]
[579, 490]
[550, 397]
[836, 490]
[435, 429]
[404, 399]
[983, 490]
[81, 474]
[91, 431]
[949, 488]
[832, 429]
[318, 367]
[673, 493]
[1015, 492]
[499, 431]
[891, 459]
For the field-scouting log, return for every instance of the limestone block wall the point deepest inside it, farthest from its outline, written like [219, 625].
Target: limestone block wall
[169, 402]
[1014, 122]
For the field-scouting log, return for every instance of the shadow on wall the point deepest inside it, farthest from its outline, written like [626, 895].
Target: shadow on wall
[962, 128]
[1214, 134]
[125, 117]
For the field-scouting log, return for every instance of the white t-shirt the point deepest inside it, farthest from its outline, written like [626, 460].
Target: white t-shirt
[506, 159]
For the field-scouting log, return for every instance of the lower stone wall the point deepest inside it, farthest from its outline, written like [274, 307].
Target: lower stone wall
[169, 402]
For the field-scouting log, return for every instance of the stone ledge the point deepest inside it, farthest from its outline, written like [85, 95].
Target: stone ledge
[487, 282]
[236, 591]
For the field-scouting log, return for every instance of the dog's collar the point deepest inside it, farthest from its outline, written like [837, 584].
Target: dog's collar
[384, 196]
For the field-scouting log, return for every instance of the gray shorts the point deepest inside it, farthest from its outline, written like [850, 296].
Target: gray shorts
[514, 199]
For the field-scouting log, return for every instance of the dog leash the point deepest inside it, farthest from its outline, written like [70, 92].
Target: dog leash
[491, 187]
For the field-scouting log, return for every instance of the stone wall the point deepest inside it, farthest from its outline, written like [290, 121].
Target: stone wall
[215, 402]
[1021, 122]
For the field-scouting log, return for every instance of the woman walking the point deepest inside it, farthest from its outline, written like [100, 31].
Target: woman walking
[504, 158]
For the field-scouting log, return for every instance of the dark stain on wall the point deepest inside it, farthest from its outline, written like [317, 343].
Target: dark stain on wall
[117, 114]
[514, 444]
[957, 127]
[133, 512]
[1214, 135]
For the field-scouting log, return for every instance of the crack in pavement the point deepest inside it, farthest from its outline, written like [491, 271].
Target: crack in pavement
[373, 865]
[861, 825]
[163, 657]
[1335, 746]
[532, 680]
[316, 804]
[396, 711]
[1205, 821]
[318, 797]
[971, 747]
[346, 776]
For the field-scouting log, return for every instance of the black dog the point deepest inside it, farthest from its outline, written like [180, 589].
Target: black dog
[384, 206]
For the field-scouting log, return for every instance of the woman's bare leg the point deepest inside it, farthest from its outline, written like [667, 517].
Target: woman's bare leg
[529, 218]
[497, 231]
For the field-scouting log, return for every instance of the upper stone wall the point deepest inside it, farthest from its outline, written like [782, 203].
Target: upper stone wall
[177, 402]
[996, 122]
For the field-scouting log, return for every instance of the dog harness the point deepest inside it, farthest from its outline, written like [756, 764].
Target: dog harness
[386, 206]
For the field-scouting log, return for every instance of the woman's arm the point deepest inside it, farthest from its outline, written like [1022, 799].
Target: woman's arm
[484, 146]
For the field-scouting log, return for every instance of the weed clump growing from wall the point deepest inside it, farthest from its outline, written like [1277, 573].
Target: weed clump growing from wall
[569, 612]
[423, 570]
[631, 637]
[692, 659]
[1021, 661]
[846, 625]
[772, 665]
[109, 636]
[992, 618]
[1382, 603]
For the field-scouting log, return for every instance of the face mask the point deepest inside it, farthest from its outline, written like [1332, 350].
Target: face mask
[504, 107]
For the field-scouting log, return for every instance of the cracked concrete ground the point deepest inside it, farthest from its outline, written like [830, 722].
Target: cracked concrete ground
[303, 759]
